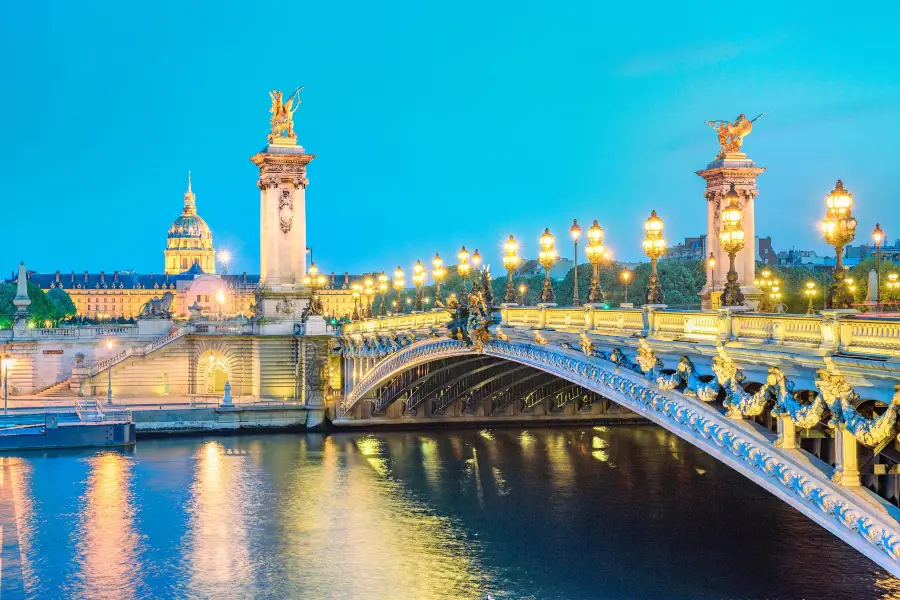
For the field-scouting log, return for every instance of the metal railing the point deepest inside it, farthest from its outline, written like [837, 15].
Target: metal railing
[144, 350]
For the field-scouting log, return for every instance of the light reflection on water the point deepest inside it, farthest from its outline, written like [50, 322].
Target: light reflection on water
[619, 512]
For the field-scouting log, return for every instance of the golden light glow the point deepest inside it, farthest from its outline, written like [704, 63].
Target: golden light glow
[547, 256]
[654, 245]
[476, 259]
[575, 230]
[463, 267]
[418, 273]
[511, 259]
[878, 234]
[626, 275]
[839, 199]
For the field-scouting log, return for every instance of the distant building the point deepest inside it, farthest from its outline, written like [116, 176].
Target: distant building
[853, 255]
[797, 258]
[532, 268]
[694, 248]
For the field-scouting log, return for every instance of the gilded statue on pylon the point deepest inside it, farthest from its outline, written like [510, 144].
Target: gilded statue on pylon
[282, 120]
[732, 133]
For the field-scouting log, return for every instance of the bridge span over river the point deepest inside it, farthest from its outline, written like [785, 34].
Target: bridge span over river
[805, 406]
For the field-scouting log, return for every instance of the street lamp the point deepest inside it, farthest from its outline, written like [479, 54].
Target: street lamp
[476, 273]
[369, 291]
[595, 253]
[438, 273]
[878, 236]
[839, 229]
[224, 258]
[810, 292]
[511, 262]
[220, 300]
[575, 232]
[399, 284]
[654, 247]
[522, 290]
[711, 263]
[7, 363]
[109, 346]
[418, 279]
[382, 289]
[546, 257]
[626, 277]
[732, 240]
[463, 267]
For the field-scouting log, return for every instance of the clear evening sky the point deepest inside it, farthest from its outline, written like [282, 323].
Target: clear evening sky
[434, 124]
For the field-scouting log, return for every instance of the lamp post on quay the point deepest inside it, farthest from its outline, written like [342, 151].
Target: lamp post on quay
[732, 240]
[839, 229]
[810, 292]
[595, 253]
[654, 247]
[575, 232]
[547, 257]
[109, 346]
[711, 265]
[626, 277]
[511, 262]
[522, 290]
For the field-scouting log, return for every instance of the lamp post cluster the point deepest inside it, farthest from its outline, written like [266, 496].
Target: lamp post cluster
[314, 280]
[438, 273]
[839, 229]
[575, 232]
[511, 262]
[893, 286]
[771, 289]
[595, 253]
[654, 246]
[418, 280]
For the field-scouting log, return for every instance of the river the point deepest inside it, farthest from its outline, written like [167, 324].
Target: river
[562, 513]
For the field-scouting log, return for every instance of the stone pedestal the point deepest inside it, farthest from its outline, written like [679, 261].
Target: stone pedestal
[734, 168]
[315, 325]
[154, 327]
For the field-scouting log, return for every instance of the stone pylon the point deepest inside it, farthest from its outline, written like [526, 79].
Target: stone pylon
[21, 301]
[282, 185]
[736, 168]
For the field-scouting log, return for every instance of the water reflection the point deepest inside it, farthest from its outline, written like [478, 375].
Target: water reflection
[619, 512]
[108, 550]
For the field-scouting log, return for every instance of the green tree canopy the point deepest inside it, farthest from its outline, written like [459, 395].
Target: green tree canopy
[44, 308]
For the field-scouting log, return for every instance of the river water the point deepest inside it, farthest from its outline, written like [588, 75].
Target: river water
[567, 513]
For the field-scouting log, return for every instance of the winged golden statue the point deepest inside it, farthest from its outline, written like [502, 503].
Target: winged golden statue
[732, 133]
[282, 120]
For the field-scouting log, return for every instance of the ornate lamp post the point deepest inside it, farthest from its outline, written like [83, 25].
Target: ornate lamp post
[369, 291]
[839, 229]
[522, 290]
[575, 232]
[476, 274]
[878, 237]
[511, 262]
[314, 281]
[438, 273]
[357, 293]
[547, 257]
[810, 292]
[732, 240]
[382, 289]
[711, 264]
[626, 277]
[654, 247]
[399, 284]
[595, 253]
[418, 279]
[463, 268]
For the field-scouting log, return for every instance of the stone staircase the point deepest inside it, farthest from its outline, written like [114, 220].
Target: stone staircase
[60, 389]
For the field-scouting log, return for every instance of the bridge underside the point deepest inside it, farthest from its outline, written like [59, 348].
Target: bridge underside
[483, 386]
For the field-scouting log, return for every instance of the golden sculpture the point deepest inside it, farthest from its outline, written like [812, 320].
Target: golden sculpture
[282, 120]
[732, 133]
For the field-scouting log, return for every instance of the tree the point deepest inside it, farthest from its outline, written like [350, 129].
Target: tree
[43, 309]
[63, 307]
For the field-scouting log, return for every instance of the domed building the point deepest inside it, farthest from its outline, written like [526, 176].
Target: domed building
[190, 240]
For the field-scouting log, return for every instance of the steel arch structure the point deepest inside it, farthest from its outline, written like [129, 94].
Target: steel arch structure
[853, 514]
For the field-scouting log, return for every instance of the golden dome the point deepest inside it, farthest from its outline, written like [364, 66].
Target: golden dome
[189, 239]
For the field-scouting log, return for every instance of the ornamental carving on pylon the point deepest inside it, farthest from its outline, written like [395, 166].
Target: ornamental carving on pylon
[286, 210]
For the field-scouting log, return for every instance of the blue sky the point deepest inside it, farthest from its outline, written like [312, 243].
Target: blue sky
[434, 124]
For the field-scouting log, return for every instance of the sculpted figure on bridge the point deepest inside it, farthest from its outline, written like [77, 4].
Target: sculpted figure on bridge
[803, 415]
[732, 133]
[694, 384]
[282, 120]
[842, 402]
[649, 364]
[158, 308]
[737, 401]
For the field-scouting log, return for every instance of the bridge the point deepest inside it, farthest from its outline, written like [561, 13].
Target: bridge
[804, 406]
